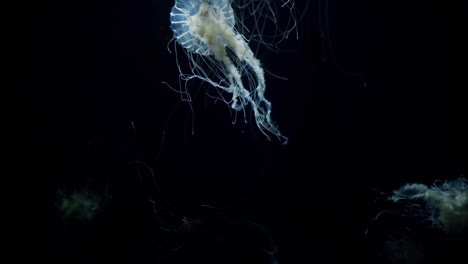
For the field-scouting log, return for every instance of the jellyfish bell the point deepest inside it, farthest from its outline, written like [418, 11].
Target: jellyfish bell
[220, 55]
[193, 21]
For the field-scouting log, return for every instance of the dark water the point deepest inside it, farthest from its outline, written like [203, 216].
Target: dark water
[370, 104]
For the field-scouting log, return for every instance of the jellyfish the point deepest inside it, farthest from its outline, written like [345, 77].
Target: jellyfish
[220, 55]
[80, 205]
[446, 203]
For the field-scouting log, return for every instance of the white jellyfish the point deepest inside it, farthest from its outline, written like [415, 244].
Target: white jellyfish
[220, 55]
[447, 203]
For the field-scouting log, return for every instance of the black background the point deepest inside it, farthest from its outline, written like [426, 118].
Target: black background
[371, 103]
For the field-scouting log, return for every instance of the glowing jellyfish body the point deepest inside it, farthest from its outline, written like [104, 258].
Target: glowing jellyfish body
[219, 55]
